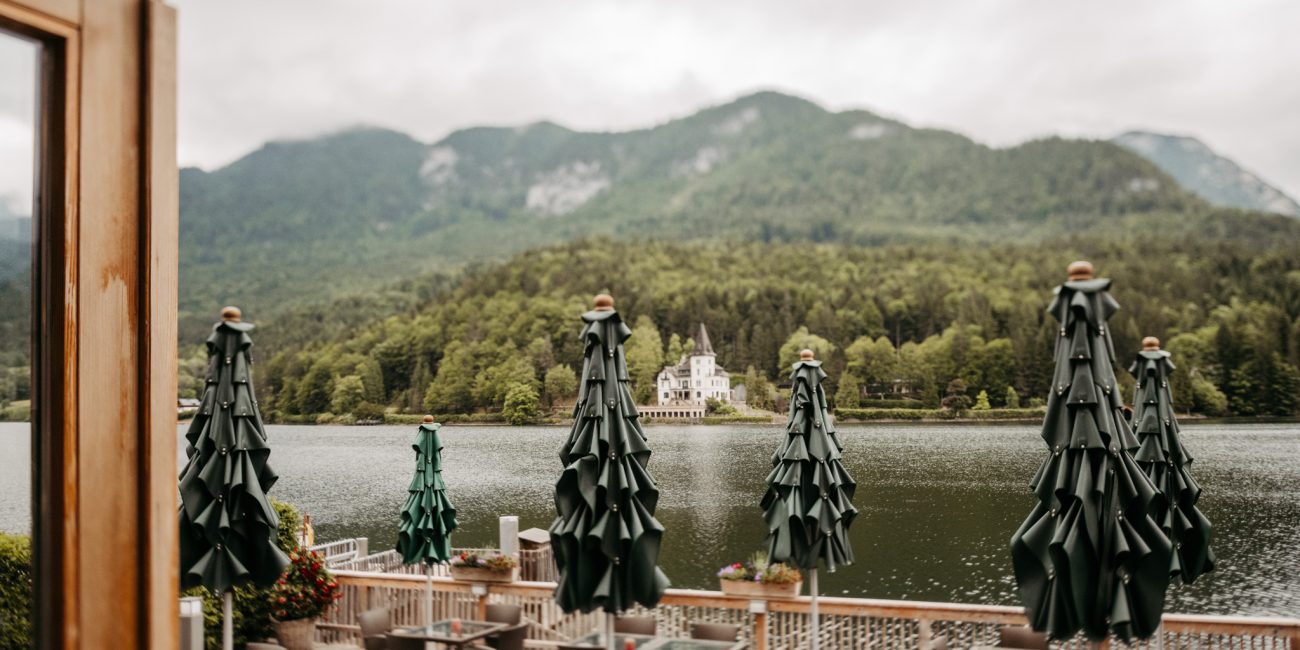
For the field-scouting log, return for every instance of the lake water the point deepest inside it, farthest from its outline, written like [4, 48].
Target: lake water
[938, 503]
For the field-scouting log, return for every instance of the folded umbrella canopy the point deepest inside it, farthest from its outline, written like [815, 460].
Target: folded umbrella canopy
[1167, 463]
[428, 516]
[606, 539]
[808, 505]
[1090, 555]
[227, 524]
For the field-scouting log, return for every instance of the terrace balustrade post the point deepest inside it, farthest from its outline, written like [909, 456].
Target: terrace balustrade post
[758, 608]
[363, 547]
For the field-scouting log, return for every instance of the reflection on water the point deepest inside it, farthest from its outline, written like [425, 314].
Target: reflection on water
[938, 503]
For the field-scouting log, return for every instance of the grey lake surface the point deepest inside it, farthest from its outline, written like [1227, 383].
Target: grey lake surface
[938, 503]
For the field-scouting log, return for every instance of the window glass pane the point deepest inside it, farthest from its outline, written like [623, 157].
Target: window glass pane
[18, 93]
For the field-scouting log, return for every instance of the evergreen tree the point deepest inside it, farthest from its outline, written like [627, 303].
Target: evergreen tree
[372, 377]
[1013, 398]
[982, 402]
[802, 339]
[316, 389]
[521, 404]
[348, 393]
[450, 391]
[560, 383]
[645, 358]
[955, 398]
[758, 392]
[420, 380]
[849, 393]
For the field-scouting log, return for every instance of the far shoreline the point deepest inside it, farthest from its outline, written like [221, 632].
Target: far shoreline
[1193, 419]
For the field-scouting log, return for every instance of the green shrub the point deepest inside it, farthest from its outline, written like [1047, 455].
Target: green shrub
[521, 404]
[369, 412]
[893, 404]
[938, 414]
[15, 591]
[472, 418]
[402, 418]
[252, 605]
[736, 419]
[19, 411]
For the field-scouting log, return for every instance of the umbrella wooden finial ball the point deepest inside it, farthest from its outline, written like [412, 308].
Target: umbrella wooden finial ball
[604, 302]
[1080, 270]
[1150, 343]
[805, 355]
[231, 313]
[428, 419]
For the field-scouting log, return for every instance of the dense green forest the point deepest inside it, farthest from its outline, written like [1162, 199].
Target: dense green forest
[380, 268]
[505, 336]
[298, 222]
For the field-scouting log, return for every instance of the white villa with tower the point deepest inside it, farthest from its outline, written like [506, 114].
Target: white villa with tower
[696, 378]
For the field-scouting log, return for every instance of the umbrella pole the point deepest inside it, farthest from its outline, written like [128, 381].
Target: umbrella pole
[812, 586]
[227, 621]
[609, 631]
[428, 595]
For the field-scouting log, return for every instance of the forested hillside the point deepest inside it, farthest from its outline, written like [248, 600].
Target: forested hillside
[295, 223]
[923, 314]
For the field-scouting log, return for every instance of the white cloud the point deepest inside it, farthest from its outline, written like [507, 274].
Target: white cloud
[1001, 71]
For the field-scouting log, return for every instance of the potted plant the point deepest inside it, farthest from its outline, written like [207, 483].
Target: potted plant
[757, 578]
[299, 597]
[470, 566]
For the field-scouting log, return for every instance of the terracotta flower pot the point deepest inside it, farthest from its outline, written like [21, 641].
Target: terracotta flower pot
[298, 634]
[751, 589]
[479, 574]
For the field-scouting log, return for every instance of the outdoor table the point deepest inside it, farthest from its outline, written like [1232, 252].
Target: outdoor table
[646, 642]
[440, 632]
[620, 640]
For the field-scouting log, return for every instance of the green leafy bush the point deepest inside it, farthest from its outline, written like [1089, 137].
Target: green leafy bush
[736, 419]
[19, 411]
[893, 404]
[521, 404]
[938, 414]
[15, 591]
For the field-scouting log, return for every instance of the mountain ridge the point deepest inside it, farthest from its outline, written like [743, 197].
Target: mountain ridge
[302, 221]
[1207, 173]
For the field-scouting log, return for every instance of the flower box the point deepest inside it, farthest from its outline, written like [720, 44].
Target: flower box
[480, 574]
[760, 590]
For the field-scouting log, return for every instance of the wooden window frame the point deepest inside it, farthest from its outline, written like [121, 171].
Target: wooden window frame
[104, 273]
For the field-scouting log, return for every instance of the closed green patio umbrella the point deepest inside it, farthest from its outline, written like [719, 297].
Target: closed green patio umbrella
[227, 524]
[808, 505]
[428, 516]
[1167, 463]
[1091, 555]
[606, 538]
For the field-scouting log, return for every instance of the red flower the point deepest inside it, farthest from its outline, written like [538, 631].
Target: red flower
[280, 599]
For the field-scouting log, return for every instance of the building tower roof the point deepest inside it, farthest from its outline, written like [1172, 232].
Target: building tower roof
[702, 345]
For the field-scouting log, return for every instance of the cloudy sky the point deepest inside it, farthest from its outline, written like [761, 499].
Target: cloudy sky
[1000, 71]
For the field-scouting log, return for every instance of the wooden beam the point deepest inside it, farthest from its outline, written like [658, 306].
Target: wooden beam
[107, 591]
[159, 558]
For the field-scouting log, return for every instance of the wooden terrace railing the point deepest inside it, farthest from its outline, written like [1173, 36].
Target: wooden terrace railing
[777, 624]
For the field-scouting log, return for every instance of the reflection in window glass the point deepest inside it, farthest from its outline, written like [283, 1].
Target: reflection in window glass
[18, 79]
